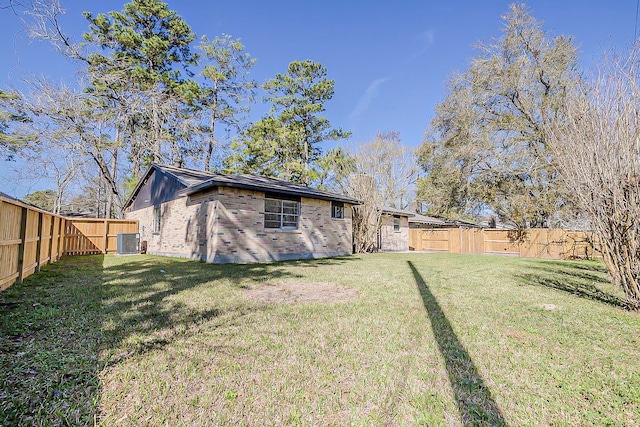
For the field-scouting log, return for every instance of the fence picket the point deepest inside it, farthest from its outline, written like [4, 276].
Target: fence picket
[532, 243]
[31, 237]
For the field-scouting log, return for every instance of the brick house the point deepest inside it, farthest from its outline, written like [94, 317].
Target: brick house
[237, 218]
[393, 234]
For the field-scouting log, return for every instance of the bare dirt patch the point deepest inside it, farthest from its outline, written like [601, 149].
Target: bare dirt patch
[295, 292]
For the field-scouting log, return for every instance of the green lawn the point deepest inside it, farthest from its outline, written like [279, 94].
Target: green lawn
[429, 339]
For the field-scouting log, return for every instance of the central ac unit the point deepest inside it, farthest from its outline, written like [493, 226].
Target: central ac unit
[128, 243]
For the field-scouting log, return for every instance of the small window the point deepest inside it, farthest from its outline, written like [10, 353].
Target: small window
[396, 223]
[337, 210]
[156, 220]
[283, 214]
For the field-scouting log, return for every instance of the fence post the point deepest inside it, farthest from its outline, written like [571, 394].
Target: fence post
[51, 230]
[23, 243]
[105, 236]
[62, 243]
[484, 239]
[39, 244]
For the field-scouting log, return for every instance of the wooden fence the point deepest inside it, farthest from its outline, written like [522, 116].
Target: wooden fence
[85, 236]
[31, 238]
[530, 243]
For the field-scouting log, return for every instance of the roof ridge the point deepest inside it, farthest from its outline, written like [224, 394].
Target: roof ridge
[267, 184]
[185, 169]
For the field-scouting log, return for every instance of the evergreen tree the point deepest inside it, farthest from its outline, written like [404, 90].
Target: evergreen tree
[146, 54]
[226, 88]
[290, 137]
[44, 199]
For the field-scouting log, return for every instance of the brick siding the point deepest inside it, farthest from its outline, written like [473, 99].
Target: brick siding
[227, 225]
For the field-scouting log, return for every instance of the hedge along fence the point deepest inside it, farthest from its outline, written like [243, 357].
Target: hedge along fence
[31, 237]
[530, 243]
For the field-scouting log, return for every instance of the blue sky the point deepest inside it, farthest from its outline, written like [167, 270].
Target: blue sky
[390, 60]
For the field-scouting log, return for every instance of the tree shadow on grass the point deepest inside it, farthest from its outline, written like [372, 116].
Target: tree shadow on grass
[49, 345]
[589, 281]
[135, 304]
[63, 326]
[475, 403]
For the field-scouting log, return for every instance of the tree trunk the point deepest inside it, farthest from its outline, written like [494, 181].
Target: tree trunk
[112, 194]
[212, 128]
[212, 143]
[157, 145]
[57, 203]
[306, 162]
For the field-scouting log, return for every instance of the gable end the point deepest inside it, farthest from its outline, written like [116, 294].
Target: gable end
[158, 187]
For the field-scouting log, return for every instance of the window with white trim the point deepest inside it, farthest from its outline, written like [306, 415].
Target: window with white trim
[281, 214]
[337, 210]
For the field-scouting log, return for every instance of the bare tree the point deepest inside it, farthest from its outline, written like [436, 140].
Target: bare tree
[385, 172]
[597, 148]
[367, 216]
[66, 121]
[44, 24]
[392, 165]
[52, 162]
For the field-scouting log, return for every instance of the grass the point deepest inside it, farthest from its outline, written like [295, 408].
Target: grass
[431, 339]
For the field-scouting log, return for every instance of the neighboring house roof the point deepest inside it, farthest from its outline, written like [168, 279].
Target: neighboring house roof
[486, 222]
[195, 181]
[463, 222]
[393, 211]
[436, 220]
[85, 214]
[425, 219]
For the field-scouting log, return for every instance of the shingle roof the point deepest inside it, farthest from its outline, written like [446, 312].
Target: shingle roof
[261, 183]
[394, 211]
[434, 220]
[188, 177]
[425, 219]
[196, 181]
